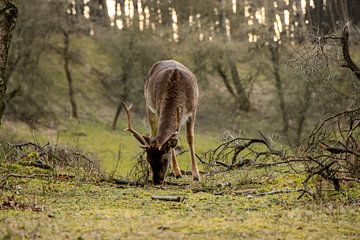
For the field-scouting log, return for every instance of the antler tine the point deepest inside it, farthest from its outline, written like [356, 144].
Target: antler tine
[130, 129]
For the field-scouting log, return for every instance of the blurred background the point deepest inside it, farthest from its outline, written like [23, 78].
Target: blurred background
[271, 66]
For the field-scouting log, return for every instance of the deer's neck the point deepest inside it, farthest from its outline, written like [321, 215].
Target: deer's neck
[167, 122]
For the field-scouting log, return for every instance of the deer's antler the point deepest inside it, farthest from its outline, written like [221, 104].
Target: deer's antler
[137, 135]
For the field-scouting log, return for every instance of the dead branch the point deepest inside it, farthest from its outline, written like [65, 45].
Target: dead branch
[275, 192]
[168, 198]
[28, 176]
[51, 156]
[237, 152]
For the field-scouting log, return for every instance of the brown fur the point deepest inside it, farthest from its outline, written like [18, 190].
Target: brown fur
[169, 86]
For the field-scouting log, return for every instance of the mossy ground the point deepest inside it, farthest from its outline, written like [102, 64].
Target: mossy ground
[218, 207]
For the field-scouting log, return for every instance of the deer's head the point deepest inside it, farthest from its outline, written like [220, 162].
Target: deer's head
[158, 154]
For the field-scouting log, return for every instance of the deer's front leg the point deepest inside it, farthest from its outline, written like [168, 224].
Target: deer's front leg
[190, 125]
[174, 164]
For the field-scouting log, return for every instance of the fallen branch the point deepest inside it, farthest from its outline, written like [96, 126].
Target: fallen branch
[168, 198]
[29, 176]
[125, 182]
[275, 192]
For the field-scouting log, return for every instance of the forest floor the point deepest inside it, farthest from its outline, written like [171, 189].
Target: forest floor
[247, 203]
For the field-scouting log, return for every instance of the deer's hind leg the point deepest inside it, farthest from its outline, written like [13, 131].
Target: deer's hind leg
[190, 127]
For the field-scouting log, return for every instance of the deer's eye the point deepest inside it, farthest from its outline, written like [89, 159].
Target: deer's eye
[172, 142]
[165, 158]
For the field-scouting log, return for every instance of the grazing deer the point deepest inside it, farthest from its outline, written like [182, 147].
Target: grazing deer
[171, 95]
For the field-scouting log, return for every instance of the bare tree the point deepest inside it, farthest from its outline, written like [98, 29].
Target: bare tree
[8, 15]
[67, 59]
[99, 12]
[235, 85]
[275, 60]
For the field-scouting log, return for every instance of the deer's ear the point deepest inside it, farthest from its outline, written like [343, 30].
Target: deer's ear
[172, 142]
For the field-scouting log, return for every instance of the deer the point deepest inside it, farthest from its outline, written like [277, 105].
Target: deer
[171, 98]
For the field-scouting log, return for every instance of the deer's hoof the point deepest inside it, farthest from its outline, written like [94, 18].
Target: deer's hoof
[197, 178]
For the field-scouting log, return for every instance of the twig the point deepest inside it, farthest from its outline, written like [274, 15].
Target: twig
[168, 198]
[275, 192]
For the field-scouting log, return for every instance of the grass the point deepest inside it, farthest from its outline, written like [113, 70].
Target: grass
[78, 210]
[212, 209]
[222, 206]
[98, 138]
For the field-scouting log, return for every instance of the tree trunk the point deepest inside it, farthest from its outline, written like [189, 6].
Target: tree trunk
[117, 114]
[303, 112]
[274, 51]
[136, 15]
[319, 5]
[122, 12]
[222, 73]
[8, 15]
[166, 18]
[301, 29]
[242, 98]
[79, 8]
[349, 63]
[331, 10]
[238, 90]
[344, 11]
[308, 14]
[222, 18]
[127, 68]
[116, 13]
[68, 74]
[99, 12]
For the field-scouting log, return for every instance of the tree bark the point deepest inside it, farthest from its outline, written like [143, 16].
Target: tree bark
[349, 63]
[236, 89]
[222, 73]
[122, 10]
[8, 15]
[308, 14]
[274, 50]
[319, 5]
[303, 112]
[99, 12]
[301, 29]
[125, 77]
[69, 78]
[330, 6]
[79, 8]
[242, 98]
[344, 10]
[136, 15]
[222, 18]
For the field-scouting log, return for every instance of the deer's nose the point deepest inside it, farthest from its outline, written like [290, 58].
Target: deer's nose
[158, 180]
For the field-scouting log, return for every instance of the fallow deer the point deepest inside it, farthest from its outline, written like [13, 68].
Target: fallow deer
[171, 96]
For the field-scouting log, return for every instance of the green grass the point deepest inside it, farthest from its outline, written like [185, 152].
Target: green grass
[106, 144]
[78, 210]
[213, 208]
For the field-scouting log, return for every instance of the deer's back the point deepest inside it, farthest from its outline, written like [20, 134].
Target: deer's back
[170, 84]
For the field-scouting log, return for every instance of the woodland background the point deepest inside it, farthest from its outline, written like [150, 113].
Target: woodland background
[261, 65]
[277, 134]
